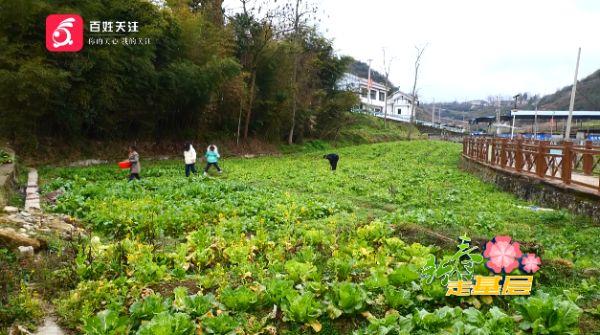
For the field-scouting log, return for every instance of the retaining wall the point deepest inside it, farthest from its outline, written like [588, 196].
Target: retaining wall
[545, 193]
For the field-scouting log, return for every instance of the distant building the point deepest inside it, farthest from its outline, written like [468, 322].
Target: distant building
[477, 103]
[528, 114]
[400, 105]
[372, 97]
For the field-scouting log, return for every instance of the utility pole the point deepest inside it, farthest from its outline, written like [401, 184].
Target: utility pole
[369, 85]
[498, 116]
[512, 129]
[433, 113]
[535, 124]
[572, 103]
[386, 67]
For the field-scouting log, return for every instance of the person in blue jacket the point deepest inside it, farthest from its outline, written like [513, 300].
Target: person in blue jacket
[212, 158]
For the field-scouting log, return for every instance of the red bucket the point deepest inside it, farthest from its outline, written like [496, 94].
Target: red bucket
[125, 164]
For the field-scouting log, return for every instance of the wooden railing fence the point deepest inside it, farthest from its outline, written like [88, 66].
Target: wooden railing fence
[570, 163]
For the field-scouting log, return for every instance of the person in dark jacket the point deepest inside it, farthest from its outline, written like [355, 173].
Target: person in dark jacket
[333, 160]
[134, 159]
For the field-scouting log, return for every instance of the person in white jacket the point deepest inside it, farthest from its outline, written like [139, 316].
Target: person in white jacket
[189, 156]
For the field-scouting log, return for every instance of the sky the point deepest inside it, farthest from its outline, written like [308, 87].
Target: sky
[473, 48]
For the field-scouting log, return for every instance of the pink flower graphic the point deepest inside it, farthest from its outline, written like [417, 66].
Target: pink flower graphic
[530, 263]
[502, 254]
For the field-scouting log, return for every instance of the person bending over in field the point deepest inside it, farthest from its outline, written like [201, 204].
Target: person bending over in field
[134, 159]
[189, 156]
[212, 158]
[333, 160]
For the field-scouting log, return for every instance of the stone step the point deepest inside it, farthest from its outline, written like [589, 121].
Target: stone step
[32, 200]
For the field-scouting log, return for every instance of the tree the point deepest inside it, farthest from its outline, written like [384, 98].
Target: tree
[296, 34]
[198, 78]
[211, 9]
[252, 37]
[414, 88]
[296, 17]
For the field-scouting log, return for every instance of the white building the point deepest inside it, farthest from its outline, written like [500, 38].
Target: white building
[372, 99]
[400, 105]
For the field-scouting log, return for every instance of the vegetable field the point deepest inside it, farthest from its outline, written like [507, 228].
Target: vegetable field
[282, 245]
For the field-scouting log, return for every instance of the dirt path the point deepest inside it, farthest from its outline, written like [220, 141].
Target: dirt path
[49, 328]
[29, 223]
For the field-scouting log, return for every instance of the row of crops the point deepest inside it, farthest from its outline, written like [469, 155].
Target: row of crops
[284, 246]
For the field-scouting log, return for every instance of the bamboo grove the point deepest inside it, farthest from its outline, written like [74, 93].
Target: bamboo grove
[204, 73]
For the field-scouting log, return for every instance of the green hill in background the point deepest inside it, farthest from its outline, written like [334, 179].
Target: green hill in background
[361, 69]
[587, 97]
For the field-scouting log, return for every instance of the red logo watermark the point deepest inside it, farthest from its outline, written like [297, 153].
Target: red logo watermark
[64, 33]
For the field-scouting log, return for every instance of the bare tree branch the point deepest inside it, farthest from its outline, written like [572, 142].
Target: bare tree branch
[420, 51]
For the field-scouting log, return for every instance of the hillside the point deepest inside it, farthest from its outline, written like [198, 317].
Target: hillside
[361, 69]
[587, 98]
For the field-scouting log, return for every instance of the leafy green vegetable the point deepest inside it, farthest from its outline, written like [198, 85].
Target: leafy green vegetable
[543, 314]
[168, 324]
[270, 247]
[302, 308]
[403, 275]
[106, 322]
[299, 271]
[392, 323]
[221, 325]
[147, 308]
[239, 299]
[350, 297]
[277, 290]
[397, 298]
[377, 280]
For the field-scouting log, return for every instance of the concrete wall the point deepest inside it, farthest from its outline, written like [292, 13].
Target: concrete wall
[543, 193]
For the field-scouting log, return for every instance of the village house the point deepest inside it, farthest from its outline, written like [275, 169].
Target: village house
[372, 97]
[399, 105]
